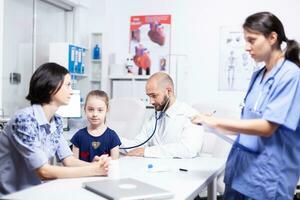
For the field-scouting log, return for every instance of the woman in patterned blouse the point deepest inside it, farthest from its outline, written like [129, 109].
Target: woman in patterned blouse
[34, 136]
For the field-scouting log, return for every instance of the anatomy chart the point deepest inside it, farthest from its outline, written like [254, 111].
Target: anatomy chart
[236, 65]
[149, 45]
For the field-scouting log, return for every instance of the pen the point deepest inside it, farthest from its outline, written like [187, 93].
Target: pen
[213, 112]
[182, 169]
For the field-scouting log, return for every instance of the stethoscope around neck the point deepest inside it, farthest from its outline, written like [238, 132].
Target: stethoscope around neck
[269, 81]
[157, 117]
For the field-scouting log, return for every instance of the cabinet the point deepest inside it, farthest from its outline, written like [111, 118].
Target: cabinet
[74, 58]
[70, 56]
[84, 69]
[129, 85]
[96, 60]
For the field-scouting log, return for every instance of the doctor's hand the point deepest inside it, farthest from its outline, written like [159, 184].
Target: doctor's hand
[136, 152]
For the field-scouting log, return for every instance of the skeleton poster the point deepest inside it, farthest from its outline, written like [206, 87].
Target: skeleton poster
[236, 65]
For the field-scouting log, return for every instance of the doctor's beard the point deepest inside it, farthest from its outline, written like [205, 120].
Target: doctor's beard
[163, 105]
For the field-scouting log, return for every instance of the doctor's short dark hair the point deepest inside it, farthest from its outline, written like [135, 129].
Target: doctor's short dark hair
[45, 82]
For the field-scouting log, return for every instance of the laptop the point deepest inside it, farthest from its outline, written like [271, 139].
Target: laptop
[126, 189]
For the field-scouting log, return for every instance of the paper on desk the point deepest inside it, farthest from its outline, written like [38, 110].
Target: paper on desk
[217, 133]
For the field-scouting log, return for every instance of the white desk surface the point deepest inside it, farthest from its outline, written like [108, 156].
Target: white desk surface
[185, 185]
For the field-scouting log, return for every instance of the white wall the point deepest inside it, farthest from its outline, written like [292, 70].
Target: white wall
[96, 24]
[195, 31]
[17, 53]
[89, 18]
[81, 36]
[1, 46]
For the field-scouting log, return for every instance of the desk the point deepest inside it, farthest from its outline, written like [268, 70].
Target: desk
[202, 172]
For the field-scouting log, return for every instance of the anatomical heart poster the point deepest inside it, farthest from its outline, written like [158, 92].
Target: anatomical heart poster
[149, 46]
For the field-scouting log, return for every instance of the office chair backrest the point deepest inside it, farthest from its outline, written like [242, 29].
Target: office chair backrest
[214, 145]
[126, 116]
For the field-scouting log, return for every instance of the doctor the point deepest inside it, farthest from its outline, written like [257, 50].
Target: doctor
[175, 135]
[264, 162]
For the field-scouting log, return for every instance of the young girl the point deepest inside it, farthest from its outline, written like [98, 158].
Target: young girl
[96, 139]
[34, 136]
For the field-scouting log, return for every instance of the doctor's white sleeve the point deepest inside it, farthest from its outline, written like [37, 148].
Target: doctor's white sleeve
[187, 146]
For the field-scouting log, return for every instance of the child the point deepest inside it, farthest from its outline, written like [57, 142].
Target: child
[96, 139]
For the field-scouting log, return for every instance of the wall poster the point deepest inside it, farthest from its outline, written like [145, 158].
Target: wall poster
[149, 46]
[236, 65]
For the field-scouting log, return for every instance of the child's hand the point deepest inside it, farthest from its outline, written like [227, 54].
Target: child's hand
[97, 158]
[103, 162]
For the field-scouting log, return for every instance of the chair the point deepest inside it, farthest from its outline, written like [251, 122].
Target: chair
[213, 145]
[126, 116]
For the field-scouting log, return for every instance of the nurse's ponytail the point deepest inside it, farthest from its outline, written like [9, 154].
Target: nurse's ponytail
[266, 23]
[292, 51]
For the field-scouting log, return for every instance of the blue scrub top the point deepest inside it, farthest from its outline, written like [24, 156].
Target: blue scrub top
[268, 167]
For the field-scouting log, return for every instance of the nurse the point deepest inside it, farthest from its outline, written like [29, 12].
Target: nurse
[264, 162]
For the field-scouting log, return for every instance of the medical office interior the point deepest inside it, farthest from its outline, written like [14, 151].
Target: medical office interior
[204, 55]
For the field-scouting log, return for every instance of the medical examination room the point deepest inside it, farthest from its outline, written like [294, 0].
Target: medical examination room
[149, 99]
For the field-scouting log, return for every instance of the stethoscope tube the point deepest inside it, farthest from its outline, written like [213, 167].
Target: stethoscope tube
[154, 130]
[271, 79]
[259, 100]
[161, 114]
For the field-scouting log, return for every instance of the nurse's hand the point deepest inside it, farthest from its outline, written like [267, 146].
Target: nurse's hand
[207, 120]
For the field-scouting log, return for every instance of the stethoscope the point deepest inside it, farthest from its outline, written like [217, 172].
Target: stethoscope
[157, 117]
[259, 99]
[268, 82]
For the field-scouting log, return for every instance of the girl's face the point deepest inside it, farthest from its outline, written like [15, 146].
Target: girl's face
[258, 46]
[95, 110]
[63, 96]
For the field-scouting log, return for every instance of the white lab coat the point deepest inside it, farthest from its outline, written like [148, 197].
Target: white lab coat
[179, 139]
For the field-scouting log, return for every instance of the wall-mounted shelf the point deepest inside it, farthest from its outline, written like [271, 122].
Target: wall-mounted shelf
[96, 60]
[94, 80]
[129, 85]
[79, 75]
[95, 64]
[129, 77]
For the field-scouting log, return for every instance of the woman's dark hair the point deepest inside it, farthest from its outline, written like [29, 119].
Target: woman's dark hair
[45, 82]
[266, 23]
